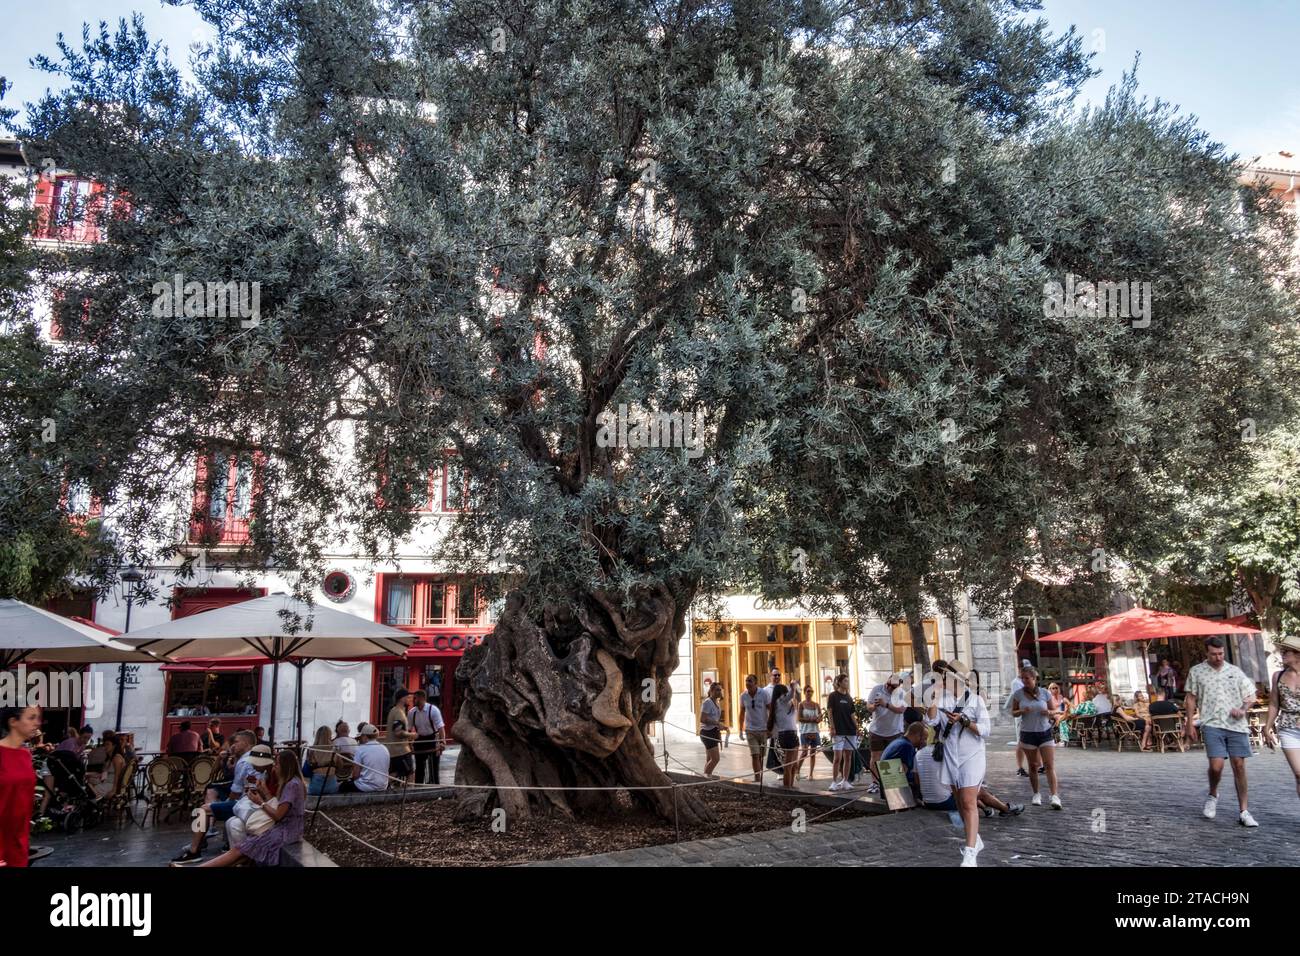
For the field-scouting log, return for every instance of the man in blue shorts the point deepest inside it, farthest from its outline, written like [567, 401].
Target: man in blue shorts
[1219, 696]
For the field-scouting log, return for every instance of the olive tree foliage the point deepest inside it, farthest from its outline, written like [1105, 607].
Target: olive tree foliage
[820, 230]
[959, 430]
[40, 543]
[1235, 540]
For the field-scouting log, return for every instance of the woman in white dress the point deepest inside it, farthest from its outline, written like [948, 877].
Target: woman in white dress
[962, 720]
[103, 783]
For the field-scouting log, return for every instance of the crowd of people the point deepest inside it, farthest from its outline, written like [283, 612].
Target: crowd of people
[939, 730]
[255, 787]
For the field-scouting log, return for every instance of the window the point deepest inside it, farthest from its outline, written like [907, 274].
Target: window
[79, 500]
[455, 484]
[467, 605]
[418, 499]
[212, 693]
[904, 659]
[68, 208]
[427, 602]
[80, 603]
[69, 316]
[399, 603]
[225, 490]
[435, 614]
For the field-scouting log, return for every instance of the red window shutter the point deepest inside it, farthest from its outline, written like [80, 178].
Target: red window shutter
[94, 209]
[381, 472]
[44, 203]
[202, 494]
[56, 303]
[122, 206]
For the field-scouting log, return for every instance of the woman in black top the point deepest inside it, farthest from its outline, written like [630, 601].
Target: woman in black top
[844, 730]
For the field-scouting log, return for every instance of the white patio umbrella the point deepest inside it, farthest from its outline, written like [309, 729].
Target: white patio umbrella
[277, 627]
[32, 635]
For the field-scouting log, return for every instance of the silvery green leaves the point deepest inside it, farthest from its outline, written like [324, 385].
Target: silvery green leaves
[478, 231]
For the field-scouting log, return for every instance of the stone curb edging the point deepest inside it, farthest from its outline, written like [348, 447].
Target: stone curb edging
[303, 854]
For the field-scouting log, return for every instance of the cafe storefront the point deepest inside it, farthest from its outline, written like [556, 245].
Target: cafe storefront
[198, 691]
[811, 651]
[448, 615]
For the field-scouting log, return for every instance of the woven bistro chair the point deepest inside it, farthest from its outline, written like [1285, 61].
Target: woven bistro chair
[202, 771]
[1124, 729]
[1083, 730]
[164, 787]
[1168, 727]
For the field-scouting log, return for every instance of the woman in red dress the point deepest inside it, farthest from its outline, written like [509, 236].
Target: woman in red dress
[17, 782]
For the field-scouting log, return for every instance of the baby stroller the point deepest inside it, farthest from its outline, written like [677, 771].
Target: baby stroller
[73, 805]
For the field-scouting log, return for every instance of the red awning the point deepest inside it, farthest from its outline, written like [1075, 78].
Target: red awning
[98, 627]
[1141, 624]
[226, 668]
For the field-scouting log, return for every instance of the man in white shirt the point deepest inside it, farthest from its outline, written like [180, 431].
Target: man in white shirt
[426, 721]
[887, 707]
[346, 745]
[372, 760]
[754, 704]
[1102, 703]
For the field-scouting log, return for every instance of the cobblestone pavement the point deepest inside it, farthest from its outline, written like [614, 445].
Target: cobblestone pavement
[1121, 809]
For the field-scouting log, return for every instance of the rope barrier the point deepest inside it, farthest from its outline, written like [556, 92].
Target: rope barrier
[492, 786]
[726, 782]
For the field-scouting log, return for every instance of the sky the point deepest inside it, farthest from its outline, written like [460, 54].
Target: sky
[1232, 62]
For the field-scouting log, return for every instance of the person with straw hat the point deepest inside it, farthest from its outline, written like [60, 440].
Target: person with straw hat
[1283, 723]
[962, 722]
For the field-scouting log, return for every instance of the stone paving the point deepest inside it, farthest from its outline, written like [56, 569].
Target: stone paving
[1121, 809]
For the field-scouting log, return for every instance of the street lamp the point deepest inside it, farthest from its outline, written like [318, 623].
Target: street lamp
[131, 579]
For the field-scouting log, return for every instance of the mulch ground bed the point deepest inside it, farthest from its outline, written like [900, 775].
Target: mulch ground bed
[424, 833]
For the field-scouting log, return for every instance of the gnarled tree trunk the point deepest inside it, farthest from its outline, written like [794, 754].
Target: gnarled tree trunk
[561, 701]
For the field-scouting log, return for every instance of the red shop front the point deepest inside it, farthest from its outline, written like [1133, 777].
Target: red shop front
[448, 617]
[198, 690]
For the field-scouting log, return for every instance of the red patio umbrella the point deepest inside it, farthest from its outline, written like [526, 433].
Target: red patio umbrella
[1145, 625]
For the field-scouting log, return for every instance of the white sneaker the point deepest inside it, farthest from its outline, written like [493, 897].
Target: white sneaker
[968, 855]
[979, 843]
[1038, 800]
[1246, 820]
[837, 785]
[1211, 807]
[1056, 802]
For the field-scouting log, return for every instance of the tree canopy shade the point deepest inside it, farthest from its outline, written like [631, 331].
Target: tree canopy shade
[1236, 538]
[820, 233]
